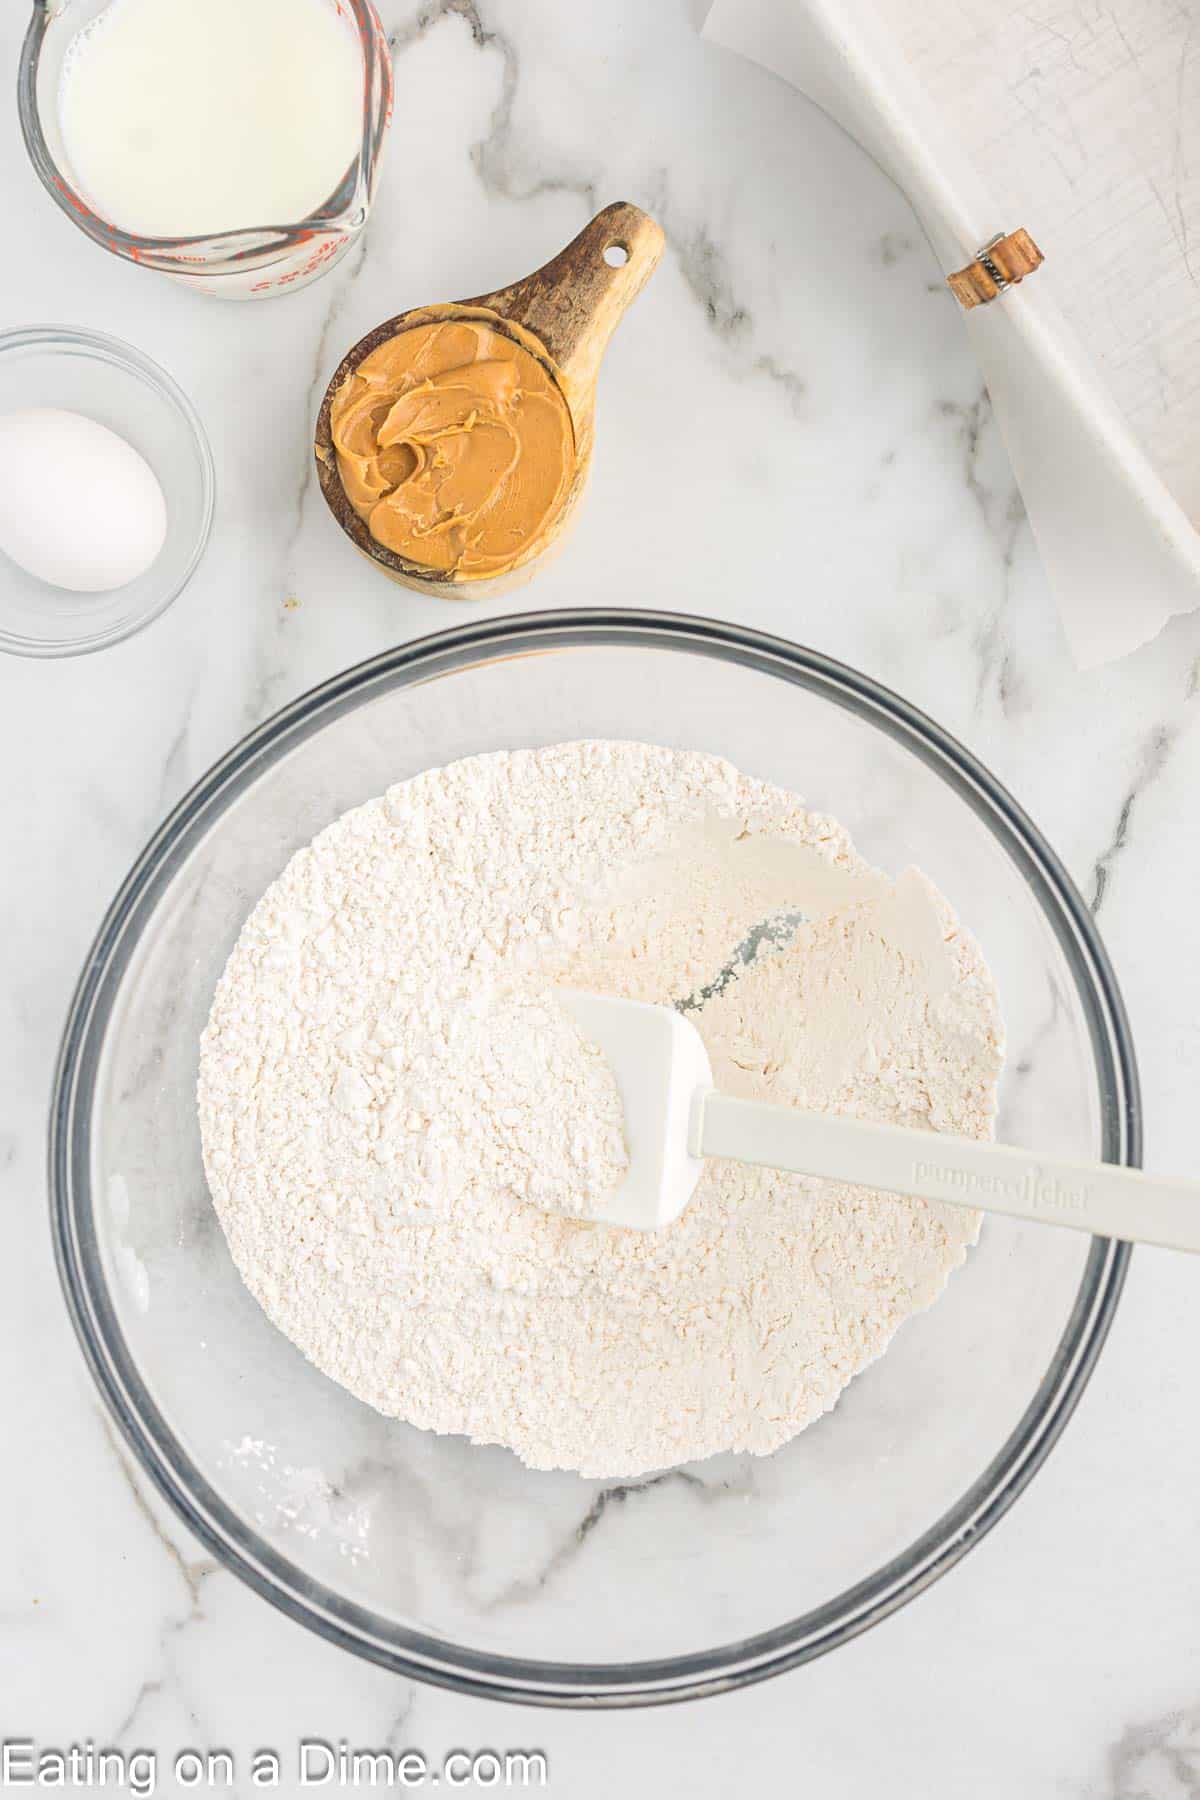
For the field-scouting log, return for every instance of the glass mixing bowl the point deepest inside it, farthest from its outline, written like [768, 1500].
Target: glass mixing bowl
[454, 1563]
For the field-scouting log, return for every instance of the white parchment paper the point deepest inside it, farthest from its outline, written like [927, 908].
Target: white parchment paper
[1079, 119]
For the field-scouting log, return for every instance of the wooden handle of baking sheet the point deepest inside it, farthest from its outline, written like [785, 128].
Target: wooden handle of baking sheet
[1003, 263]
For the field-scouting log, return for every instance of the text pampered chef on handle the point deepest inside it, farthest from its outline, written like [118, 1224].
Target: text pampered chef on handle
[1032, 1190]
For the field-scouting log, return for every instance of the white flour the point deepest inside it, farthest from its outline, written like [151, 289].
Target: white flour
[387, 1091]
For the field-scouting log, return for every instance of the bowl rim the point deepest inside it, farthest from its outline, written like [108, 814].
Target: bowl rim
[354, 1627]
[74, 340]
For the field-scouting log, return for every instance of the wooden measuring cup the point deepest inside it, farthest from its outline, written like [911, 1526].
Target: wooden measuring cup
[563, 314]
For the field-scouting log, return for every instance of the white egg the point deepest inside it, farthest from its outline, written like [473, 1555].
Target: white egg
[79, 507]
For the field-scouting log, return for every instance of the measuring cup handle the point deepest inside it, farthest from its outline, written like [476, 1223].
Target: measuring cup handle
[573, 303]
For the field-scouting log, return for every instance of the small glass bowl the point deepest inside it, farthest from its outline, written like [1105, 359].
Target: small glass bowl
[111, 382]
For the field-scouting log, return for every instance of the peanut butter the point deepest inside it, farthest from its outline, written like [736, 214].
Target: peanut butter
[455, 444]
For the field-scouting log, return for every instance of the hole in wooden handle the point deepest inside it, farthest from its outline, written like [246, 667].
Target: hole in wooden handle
[616, 255]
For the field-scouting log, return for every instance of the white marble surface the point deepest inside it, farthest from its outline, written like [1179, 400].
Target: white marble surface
[832, 473]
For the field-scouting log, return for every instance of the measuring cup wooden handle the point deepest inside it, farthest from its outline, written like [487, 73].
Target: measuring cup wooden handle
[573, 302]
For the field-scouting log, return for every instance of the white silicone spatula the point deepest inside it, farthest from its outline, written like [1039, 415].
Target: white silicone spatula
[674, 1118]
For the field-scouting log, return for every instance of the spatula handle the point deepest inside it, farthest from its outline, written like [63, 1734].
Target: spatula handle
[1096, 1197]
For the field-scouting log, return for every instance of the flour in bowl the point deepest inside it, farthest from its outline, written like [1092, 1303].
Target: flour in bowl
[390, 1097]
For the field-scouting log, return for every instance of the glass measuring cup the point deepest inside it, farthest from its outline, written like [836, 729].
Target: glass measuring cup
[233, 265]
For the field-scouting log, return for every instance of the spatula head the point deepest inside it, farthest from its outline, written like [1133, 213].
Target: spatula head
[661, 1068]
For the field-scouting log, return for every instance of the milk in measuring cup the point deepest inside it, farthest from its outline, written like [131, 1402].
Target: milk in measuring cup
[187, 118]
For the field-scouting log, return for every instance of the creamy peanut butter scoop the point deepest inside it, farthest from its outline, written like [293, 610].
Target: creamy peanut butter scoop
[454, 441]
[455, 446]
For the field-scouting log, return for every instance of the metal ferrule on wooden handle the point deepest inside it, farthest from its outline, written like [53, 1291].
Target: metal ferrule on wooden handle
[1001, 263]
[1095, 1197]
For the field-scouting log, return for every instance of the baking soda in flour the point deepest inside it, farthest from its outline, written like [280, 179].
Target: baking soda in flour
[390, 1096]
[186, 118]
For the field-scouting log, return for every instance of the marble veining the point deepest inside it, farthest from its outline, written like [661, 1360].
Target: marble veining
[1151, 760]
[609, 1500]
[1158, 1757]
[792, 433]
[189, 1571]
